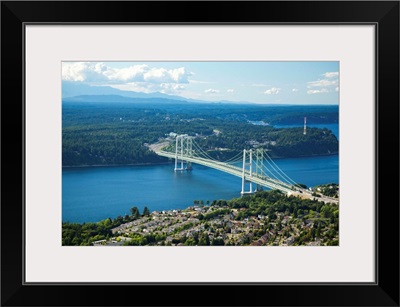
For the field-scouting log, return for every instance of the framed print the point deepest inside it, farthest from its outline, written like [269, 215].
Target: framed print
[250, 148]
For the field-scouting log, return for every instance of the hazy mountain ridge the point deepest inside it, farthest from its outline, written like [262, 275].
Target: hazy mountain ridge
[76, 92]
[71, 91]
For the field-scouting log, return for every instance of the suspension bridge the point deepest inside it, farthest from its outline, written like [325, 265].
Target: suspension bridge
[254, 166]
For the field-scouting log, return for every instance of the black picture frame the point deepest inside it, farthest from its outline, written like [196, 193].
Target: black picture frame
[383, 14]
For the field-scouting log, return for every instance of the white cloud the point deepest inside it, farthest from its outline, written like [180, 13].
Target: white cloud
[137, 87]
[323, 90]
[156, 75]
[129, 74]
[83, 71]
[295, 90]
[321, 83]
[168, 88]
[211, 91]
[272, 91]
[331, 80]
[231, 90]
[95, 72]
[332, 74]
[337, 89]
[138, 78]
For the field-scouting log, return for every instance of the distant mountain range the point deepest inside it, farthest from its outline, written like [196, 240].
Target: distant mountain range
[77, 92]
[122, 99]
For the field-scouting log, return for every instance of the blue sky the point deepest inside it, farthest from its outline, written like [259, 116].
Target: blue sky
[257, 82]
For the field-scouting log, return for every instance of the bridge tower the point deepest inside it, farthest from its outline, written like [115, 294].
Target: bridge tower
[183, 148]
[247, 168]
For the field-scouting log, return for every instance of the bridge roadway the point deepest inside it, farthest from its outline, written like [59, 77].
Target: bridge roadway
[236, 171]
[251, 177]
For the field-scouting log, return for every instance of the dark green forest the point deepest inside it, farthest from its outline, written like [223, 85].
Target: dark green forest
[119, 133]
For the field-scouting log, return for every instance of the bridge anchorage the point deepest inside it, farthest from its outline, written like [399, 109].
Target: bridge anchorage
[254, 166]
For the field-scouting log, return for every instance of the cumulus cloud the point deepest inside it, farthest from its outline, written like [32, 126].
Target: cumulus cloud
[295, 90]
[329, 84]
[128, 74]
[332, 74]
[323, 90]
[168, 88]
[323, 82]
[95, 72]
[231, 90]
[272, 91]
[138, 78]
[83, 71]
[156, 75]
[211, 91]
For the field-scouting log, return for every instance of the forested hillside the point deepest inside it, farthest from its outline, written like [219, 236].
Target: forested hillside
[119, 133]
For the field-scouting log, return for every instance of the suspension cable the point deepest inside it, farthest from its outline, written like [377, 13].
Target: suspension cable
[288, 178]
[279, 174]
[265, 174]
[201, 153]
[234, 159]
[205, 154]
[211, 158]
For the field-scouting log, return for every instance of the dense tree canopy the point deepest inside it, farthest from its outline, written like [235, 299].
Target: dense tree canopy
[119, 134]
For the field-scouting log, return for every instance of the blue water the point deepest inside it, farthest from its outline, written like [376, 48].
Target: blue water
[96, 193]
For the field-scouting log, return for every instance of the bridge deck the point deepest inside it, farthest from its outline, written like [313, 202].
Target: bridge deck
[250, 177]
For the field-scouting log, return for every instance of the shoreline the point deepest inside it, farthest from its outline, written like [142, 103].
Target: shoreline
[166, 163]
[115, 165]
[192, 206]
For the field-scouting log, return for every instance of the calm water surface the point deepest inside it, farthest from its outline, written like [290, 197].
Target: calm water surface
[95, 193]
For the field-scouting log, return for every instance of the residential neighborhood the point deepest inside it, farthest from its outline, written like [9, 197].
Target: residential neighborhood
[252, 222]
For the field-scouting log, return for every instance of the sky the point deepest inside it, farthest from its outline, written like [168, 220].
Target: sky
[257, 82]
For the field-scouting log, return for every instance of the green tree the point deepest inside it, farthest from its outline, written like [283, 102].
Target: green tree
[146, 211]
[318, 231]
[190, 242]
[135, 212]
[218, 241]
[176, 241]
[204, 240]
